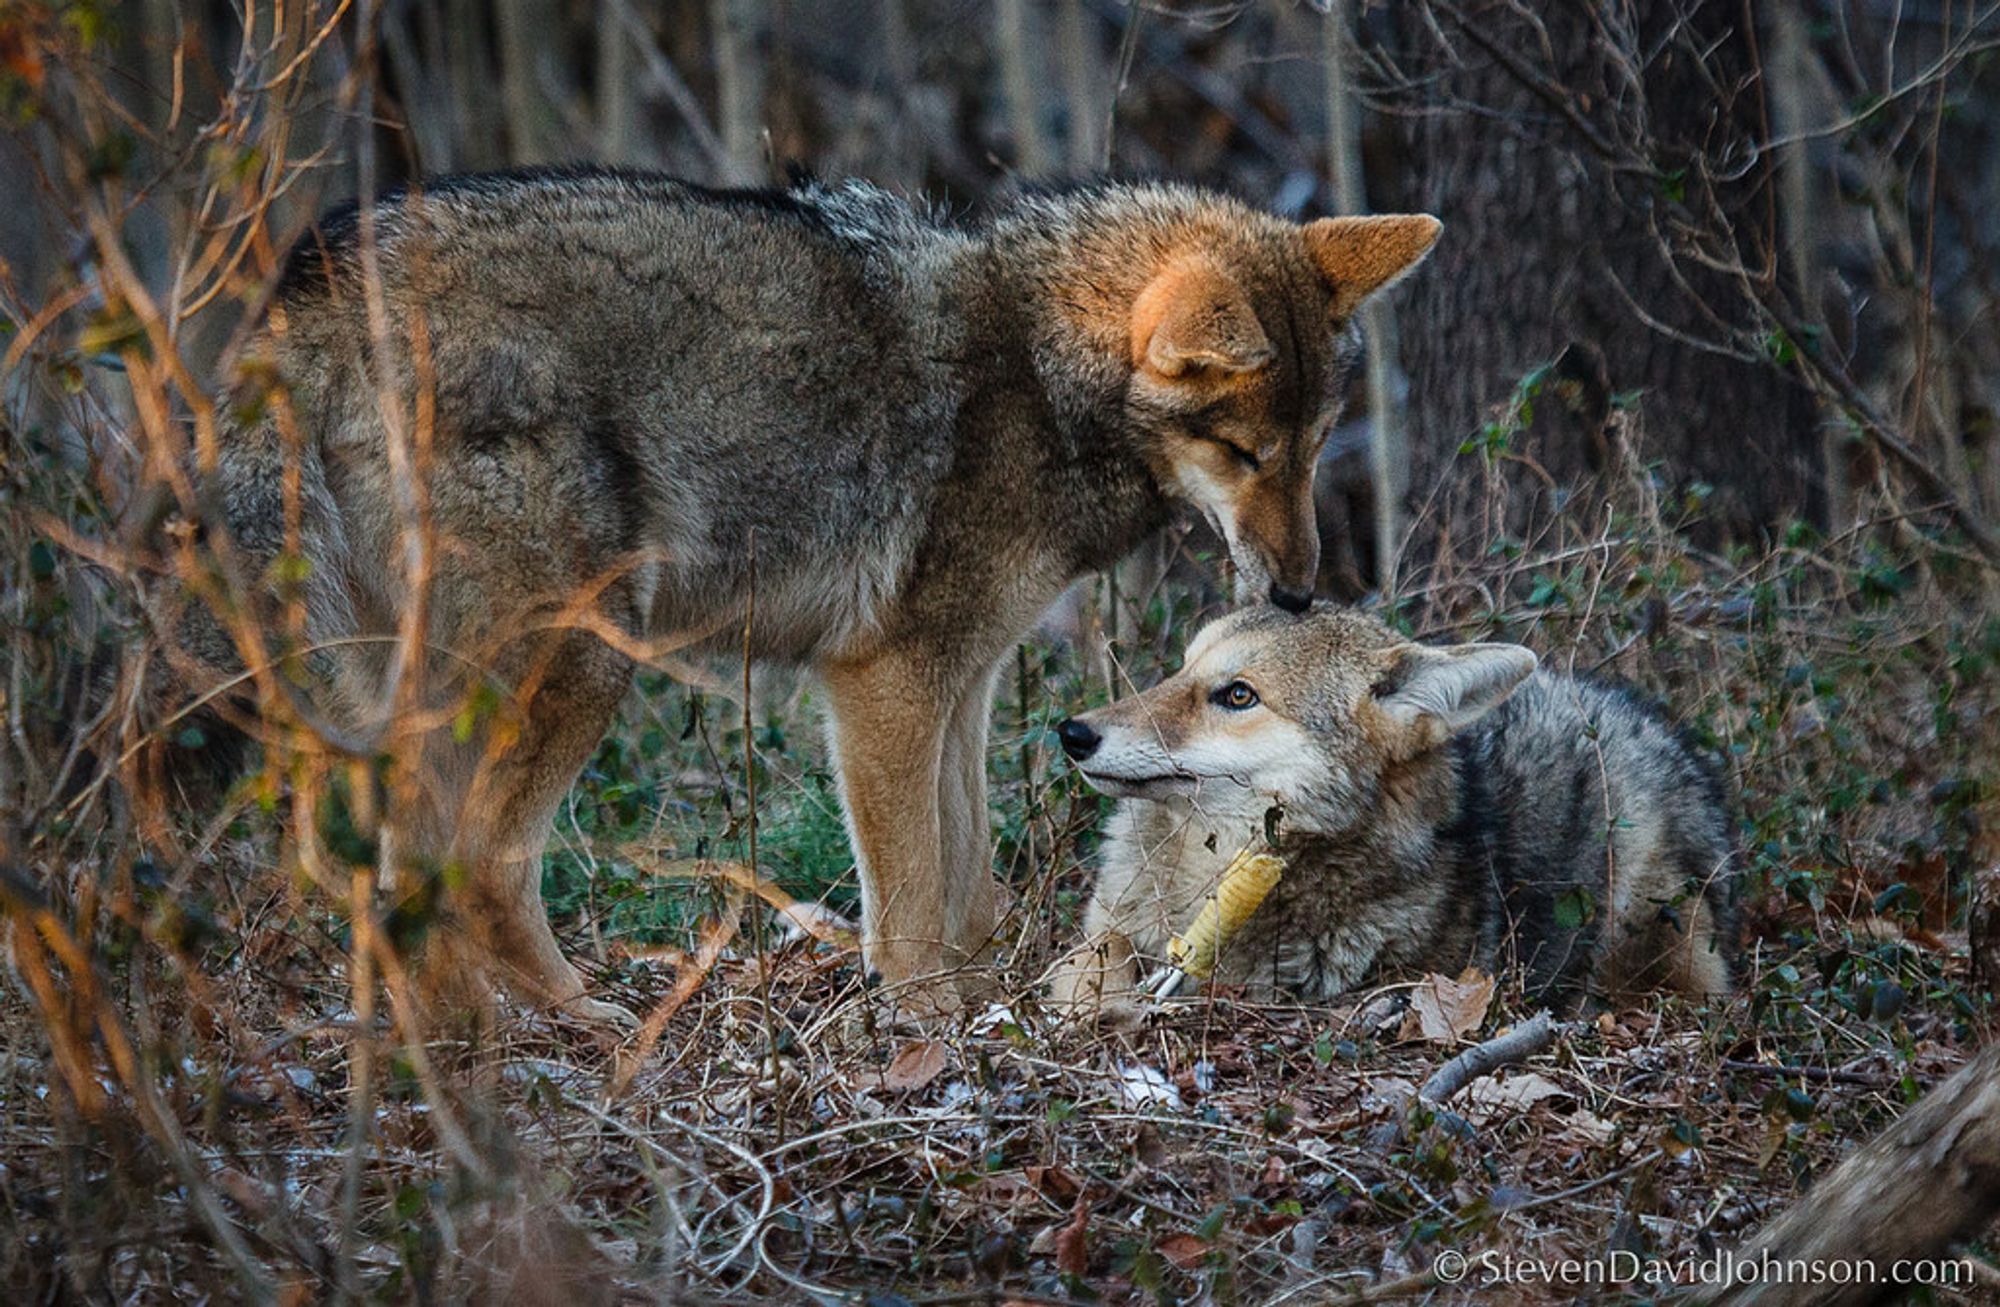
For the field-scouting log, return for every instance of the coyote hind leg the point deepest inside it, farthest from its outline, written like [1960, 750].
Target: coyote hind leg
[503, 816]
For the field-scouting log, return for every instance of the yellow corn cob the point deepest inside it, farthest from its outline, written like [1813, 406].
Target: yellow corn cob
[1244, 885]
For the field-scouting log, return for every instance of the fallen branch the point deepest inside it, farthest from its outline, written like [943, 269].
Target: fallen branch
[1524, 1041]
[1831, 1075]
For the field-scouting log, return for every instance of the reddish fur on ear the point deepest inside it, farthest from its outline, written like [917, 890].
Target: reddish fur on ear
[1194, 315]
[1359, 256]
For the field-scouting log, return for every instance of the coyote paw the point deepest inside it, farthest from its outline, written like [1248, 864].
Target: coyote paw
[1098, 985]
[923, 1007]
[919, 1008]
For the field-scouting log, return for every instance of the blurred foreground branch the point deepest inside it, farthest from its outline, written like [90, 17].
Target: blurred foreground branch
[1929, 1181]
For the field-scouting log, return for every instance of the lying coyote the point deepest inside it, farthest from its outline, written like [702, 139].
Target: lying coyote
[1436, 807]
[882, 439]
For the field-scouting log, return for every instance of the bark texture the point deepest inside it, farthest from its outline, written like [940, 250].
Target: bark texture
[1929, 1181]
[1560, 150]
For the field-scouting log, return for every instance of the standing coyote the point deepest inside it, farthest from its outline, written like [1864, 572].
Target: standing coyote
[882, 439]
[1439, 807]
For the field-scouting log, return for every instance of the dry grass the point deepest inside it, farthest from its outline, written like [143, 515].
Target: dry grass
[1287, 1161]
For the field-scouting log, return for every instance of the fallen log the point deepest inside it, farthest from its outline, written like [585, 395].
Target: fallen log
[1929, 1181]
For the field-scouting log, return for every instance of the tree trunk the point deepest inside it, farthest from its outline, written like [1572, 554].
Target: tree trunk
[1558, 150]
[1020, 82]
[528, 29]
[1388, 442]
[1929, 1181]
[617, 105]
[739, 82]
[1082, 86]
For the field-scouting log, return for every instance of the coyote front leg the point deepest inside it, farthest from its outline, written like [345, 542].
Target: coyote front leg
[889, 725]
[967, 840]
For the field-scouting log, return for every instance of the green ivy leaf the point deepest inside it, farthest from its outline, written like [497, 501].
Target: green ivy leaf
[1575, 907]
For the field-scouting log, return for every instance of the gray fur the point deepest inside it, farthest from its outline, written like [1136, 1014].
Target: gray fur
[1409, 848]
[916, 431]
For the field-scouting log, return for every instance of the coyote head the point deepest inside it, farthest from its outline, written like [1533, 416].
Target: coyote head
[1314, 713]
[1240, 348]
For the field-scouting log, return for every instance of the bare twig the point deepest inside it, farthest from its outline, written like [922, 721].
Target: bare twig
[1518, 1044]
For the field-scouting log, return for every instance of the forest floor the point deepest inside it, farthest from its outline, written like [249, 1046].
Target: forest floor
[762, 1140]
[1229, 1152]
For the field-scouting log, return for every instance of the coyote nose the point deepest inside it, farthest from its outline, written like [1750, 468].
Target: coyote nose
[1292, 601]
[1078, 740]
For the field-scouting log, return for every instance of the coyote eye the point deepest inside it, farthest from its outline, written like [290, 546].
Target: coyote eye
[1245, 457]
[1235, 696]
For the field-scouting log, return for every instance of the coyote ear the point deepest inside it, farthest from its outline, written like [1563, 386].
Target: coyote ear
[1194, 315]
[1430, 691]
[1359, 256]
